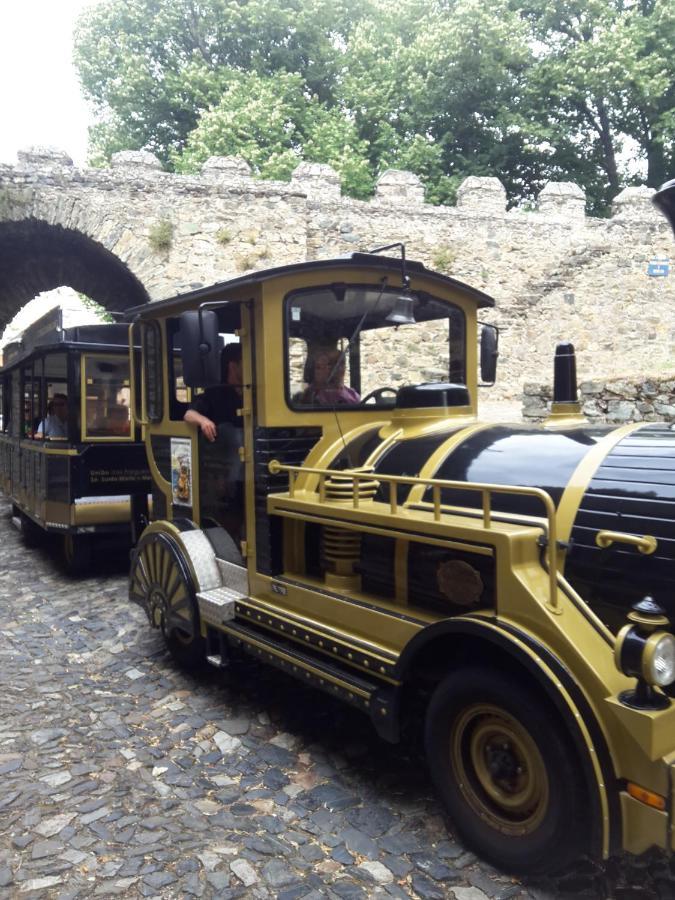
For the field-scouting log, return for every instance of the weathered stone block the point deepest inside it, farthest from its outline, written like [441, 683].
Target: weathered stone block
[533, 388]
[621, 411]
[591, 388]
[563, 198]
[482, 195]
[634, 203]
[318, 181]
[591, 410]
[43, 157]
[397, 186]
[225, 169]
[622, 388]
[135, 160]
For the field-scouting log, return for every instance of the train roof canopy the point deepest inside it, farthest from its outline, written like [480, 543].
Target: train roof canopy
[354, 260]
[48, 333]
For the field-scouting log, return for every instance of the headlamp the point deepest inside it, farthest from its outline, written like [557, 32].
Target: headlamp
[645, 651]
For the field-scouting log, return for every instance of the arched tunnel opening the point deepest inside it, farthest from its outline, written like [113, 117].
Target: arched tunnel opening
[36, 256]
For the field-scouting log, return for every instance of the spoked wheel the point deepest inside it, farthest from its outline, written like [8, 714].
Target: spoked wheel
[503, 765]
[161, 582]
[76, 553]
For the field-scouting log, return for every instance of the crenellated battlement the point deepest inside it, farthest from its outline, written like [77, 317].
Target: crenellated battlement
[133, 232]
[476, 195]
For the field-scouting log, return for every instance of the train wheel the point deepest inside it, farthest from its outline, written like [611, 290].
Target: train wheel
[504, 769]
[76, 553]
[161, 582]
[31, 533]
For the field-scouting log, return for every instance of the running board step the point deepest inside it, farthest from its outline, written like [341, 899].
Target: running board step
[218, 605]
[379, 700]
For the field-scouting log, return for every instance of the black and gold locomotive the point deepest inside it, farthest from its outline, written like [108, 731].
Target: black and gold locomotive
[71, 457]
[360, 528]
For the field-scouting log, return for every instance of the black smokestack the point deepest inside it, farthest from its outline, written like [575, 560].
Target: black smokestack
[565, 374]
[664, 199]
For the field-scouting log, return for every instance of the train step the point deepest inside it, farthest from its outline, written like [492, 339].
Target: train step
[217, 606]
[380, 700]
[284, 654]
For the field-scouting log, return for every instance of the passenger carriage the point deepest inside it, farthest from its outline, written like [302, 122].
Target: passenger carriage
[71, 456]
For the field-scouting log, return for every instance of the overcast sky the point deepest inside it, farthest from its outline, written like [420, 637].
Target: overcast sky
[40, 101]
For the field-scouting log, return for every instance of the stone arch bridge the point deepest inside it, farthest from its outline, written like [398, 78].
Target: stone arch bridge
[133, 232]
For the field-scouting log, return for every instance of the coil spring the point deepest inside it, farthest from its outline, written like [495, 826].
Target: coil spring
[341, 486]
[342, 547]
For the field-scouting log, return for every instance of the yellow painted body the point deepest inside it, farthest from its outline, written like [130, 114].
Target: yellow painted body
[536, 615]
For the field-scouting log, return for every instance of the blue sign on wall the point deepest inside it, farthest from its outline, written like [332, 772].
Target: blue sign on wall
[658, 267]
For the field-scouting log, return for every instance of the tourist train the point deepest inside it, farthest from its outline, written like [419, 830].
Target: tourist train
[352, 521]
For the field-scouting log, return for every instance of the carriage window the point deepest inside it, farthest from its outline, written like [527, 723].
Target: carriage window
[55, 411]
[32, 399]
[180, 394]
[106, 397]
[7, 401]
[152, 355]
[350, 346]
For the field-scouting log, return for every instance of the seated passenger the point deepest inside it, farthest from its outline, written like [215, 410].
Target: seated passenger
[327, 387]
[119, 423]
[55, 423]
[219, 404]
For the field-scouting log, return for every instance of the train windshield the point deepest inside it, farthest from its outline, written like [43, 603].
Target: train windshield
[356, 346]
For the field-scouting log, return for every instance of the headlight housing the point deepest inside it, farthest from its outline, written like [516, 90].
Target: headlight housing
[658, 659]
[645, 651]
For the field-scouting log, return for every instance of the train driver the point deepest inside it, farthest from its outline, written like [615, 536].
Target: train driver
[220, 403]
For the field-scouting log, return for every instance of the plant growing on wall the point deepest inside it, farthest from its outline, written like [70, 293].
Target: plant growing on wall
[160, 236]
[443, 259]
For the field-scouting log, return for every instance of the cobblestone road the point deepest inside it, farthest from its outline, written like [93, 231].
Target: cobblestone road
[122, 776]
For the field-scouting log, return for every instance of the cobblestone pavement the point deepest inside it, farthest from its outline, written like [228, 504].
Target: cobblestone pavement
[122, 776]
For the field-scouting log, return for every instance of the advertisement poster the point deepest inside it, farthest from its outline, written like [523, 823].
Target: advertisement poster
[181, 471]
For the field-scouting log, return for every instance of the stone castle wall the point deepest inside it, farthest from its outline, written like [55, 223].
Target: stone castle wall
[639, 398]
[554, 272]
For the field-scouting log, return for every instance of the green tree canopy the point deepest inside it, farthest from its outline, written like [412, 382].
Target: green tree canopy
[274, 125]
[530, 91]
[606, 74]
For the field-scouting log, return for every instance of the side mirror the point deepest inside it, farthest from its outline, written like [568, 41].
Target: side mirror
[200, 348]
[664, 199]
[489, 351]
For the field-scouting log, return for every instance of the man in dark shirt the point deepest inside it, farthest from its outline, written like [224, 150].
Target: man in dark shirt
[220, 403]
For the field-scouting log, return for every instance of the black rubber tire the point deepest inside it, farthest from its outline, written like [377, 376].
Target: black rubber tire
[481, 774]
[161, 582]
[32, 534]
[77, 553]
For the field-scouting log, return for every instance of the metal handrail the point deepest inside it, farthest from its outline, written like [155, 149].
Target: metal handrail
[437, 485]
